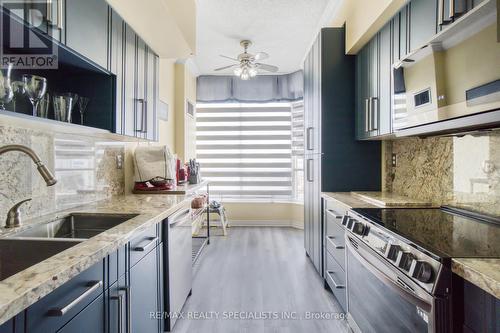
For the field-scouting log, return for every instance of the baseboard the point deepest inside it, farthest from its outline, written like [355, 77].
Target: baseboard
[262, 223]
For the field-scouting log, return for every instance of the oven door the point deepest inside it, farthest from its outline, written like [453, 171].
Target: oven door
[380, 298]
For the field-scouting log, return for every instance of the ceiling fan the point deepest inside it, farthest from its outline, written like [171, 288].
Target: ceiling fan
[248, 64]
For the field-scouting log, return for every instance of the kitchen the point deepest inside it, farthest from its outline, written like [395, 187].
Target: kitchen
[348, 172]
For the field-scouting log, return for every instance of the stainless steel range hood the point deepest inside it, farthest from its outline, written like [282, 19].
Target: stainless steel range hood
[449, 89]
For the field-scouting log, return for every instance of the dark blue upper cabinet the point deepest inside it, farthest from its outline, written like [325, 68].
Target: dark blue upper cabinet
[385, 74]
[87, 29]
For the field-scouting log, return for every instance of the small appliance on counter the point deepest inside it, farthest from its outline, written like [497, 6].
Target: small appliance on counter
[154, 170]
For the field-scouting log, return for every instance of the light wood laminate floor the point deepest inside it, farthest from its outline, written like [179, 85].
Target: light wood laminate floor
[255, 270]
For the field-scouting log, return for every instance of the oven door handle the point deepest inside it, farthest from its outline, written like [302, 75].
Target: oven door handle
[403, 292]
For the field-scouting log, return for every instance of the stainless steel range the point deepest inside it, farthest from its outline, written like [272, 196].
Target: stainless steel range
[399, 265]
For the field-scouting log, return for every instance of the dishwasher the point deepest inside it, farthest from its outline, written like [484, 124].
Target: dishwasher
[177, 268]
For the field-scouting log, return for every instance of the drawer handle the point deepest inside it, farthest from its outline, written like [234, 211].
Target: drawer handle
[93, 286]
[128, 295]
[119, 298]
[334, 214]
[147, 246]
[335, 284]
[330, 239]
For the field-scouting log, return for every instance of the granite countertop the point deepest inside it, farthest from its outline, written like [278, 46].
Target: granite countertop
[348, 199]
[19, 291]
[484, 273]
[375, 200]
[388, 199]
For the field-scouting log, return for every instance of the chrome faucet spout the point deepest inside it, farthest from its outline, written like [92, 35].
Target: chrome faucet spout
[42, 169]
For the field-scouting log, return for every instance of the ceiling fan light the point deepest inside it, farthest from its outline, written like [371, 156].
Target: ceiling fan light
[237, 71]
[252, 72]
[245, 75]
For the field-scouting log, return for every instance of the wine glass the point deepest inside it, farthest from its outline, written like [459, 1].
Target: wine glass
[63, 105]
[82, 106]
[6, 91]
[35, 87]
[43, 106]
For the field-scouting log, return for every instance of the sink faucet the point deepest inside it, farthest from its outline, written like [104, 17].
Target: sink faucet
[14, 216]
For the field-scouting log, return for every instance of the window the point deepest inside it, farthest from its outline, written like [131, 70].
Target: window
[245, 150]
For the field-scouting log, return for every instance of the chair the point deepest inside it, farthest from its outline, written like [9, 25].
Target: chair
[218, 208]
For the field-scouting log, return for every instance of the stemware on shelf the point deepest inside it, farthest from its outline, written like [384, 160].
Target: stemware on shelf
[82, 106]
[42, 110]
[63, 106]
[6, 91]
[35, 87]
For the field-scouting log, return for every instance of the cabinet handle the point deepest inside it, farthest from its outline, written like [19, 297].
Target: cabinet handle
[335, 284]
[367, 115]
[119, 298]
[141, 128]
[310, 176]
[49, 11]
[59, 14]
[128, 294]
[334, 214]
[93, 286]
[147, 246]
[145, 114]
[309, 138]
[330, 239]
[452, 9]
[440, 12]
[374, 111]
[370, 114]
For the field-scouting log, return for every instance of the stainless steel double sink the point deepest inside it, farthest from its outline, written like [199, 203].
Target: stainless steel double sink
[26, 248]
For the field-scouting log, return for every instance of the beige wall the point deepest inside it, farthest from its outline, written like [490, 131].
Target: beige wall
[363, 18]
[167, 95]
[166, 25]
[271, 213]
[185, 125]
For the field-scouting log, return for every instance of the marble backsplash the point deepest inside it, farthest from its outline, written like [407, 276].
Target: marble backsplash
[460, 171]
[84, 167]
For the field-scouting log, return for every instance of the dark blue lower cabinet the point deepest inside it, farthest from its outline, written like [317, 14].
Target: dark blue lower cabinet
[14, 325]
[117, 306]
[61, 306]
[144, 292]
[90, 319]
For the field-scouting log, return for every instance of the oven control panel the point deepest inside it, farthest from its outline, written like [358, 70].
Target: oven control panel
[414, 263]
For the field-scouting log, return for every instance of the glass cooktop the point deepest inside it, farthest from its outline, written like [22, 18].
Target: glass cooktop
[443, 231]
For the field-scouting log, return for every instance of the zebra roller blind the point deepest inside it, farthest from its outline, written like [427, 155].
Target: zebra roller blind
[246, 152]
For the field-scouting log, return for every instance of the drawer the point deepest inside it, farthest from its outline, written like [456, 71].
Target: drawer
[143, 243]
[336, 249]
[334, 227]
[57, 308]
[335, 278]
[336, 206]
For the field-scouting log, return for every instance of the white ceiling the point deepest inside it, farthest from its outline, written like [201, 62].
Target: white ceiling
[284, 29]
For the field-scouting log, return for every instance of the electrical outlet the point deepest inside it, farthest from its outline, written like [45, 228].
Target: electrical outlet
[119, 161]
[394, 160]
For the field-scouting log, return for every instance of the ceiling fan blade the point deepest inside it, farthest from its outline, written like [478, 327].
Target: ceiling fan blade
[269, 68]
[261, 56]
[225, 67]
[230, 58]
